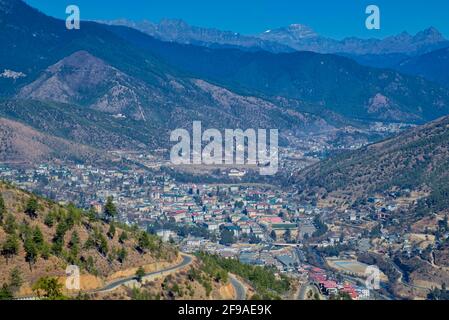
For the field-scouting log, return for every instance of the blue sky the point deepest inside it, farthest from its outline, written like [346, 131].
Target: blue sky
[333, 18]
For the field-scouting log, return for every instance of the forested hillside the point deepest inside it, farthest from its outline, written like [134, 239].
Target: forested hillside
[39, 238]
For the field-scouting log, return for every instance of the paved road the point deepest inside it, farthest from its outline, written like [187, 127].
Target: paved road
[116, 284]
[402, 280]
[186, 260]
[240, 290]
[239, 287]
[304, 289]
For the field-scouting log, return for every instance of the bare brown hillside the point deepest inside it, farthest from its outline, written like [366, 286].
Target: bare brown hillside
[417, 160]
[21, 143]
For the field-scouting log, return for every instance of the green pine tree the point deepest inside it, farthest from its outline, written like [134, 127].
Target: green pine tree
[48, 288]
[45, 251]
[110, 211]
[11, 247]
[123, 237]
[15, 279]
[6, 293]
[50, 219]
[10, 225]
[92, 215]
[2, 209]
[111, 232]
[38, 238]
[144, 241]
[31, 251]
[140, 273]
[31, 208]
[122, 254]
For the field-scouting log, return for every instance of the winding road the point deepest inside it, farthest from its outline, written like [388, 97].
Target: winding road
[187, 260]
[240, 289]
[304, 289]
[402, 278]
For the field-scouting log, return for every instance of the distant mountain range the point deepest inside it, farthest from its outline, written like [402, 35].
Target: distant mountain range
[316, 82]
[181, 32]
[392, 52]
[296, 37]
[117, 82]
[110, 88]
[433, 66]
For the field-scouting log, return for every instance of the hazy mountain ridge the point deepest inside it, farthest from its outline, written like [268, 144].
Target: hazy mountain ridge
[424, 41]
[181, 100]
[95, 69]
[433, 66]
[293, 37]
[391, 52]
[326, 81]
[175, 30]
[84, 79]
[80, 125]
[144, 87]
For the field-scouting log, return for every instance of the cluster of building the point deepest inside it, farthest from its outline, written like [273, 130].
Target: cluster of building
[329, 286]
[256, 224]
[145, 197]
[246, 212]
[85, 185]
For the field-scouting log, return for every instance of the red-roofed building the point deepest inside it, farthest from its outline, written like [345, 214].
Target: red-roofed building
[329, 287]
